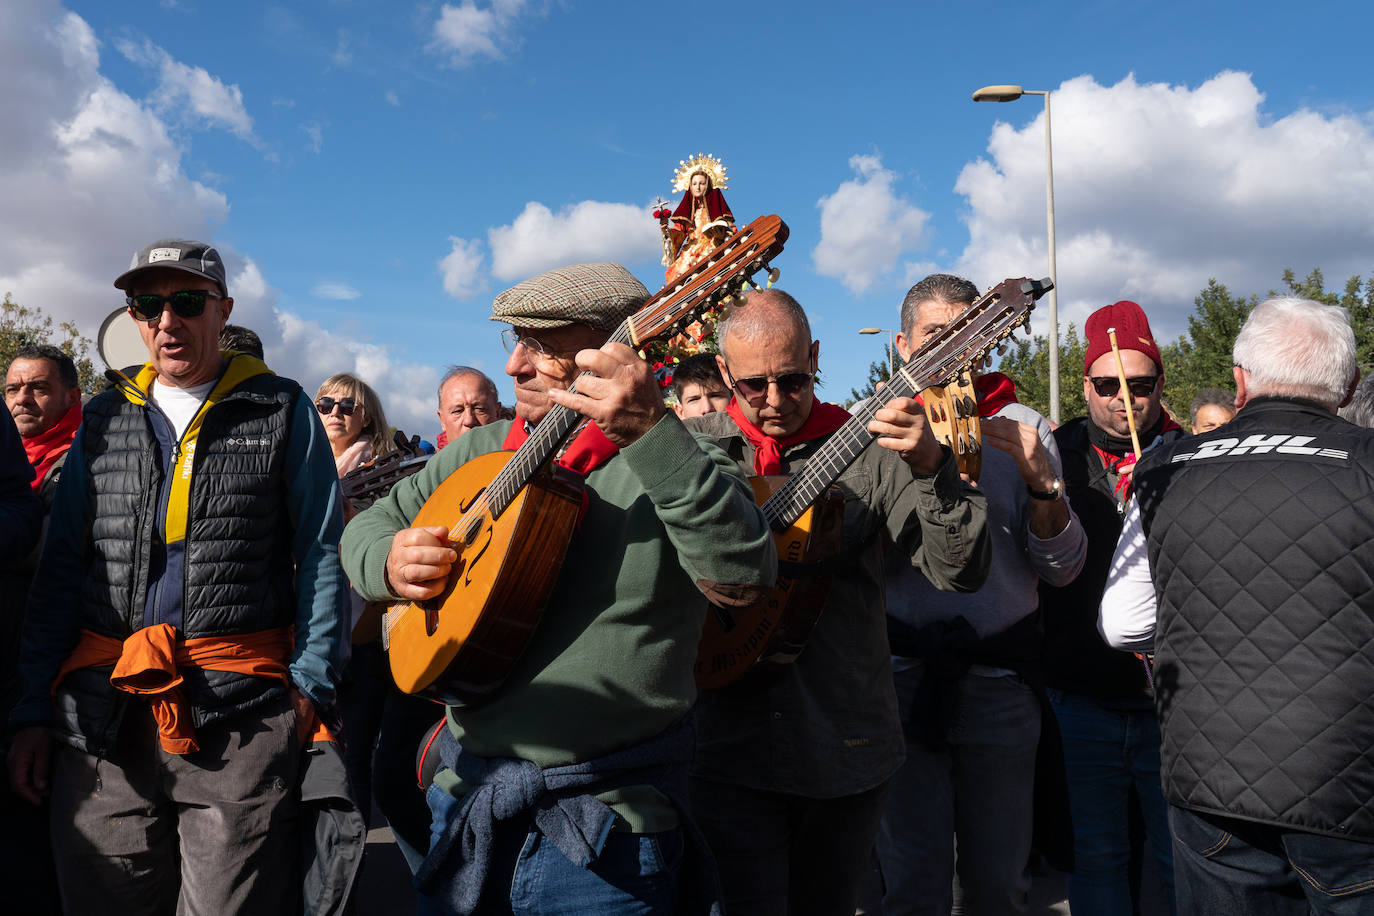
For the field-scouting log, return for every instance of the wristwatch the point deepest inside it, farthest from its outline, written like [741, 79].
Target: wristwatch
[1054, 492]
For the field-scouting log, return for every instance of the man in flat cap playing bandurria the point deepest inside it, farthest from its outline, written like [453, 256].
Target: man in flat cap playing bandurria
[595, 708]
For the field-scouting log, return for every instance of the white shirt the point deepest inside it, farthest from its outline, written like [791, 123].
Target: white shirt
[1126, 618]
[180, 404]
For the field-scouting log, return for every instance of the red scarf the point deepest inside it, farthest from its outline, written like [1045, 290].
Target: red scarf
[995, 391]
[1115, 464]
[588, 451]
[825, 419]
[45, 448]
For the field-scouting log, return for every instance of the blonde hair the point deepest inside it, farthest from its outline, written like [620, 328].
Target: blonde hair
[375, 430]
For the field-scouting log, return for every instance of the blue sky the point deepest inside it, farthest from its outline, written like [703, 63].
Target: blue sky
[378, 171]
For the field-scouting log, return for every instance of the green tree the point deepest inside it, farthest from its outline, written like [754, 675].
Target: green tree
[1202, 358]
[1027, 363]
[22, 325]
[1357, 299]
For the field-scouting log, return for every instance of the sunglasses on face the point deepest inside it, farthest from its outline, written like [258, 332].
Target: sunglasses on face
[326, 405]
[186, 303]
[1140, 386]
[754, 389]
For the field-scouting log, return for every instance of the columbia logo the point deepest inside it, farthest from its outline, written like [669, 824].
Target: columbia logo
[1260, 445]
[247, 440]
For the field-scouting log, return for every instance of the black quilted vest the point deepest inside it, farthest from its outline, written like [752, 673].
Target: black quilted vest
[238, 570]
[1261, 547]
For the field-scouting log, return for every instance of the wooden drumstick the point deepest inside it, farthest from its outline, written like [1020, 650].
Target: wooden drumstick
[1125, 392]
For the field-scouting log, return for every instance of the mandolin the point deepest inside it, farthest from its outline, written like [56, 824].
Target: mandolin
[511, 514]
[773, 632]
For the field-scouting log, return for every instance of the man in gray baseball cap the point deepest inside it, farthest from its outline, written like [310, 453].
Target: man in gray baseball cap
[604, 686]
[193, 549]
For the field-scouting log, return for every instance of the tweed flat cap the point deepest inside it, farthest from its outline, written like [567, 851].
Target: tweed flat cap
[598, 295]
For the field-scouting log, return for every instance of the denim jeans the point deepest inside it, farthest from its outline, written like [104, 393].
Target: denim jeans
[1107, 752]
[1229, 866]
[635, 875]
[980, 788]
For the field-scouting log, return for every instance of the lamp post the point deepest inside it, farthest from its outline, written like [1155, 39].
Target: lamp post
[1011, 94]
[891, 347]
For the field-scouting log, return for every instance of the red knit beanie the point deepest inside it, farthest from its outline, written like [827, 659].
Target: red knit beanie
[1132, 333]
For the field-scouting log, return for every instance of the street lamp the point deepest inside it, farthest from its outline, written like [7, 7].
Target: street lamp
[1011, 94]
[891, 347]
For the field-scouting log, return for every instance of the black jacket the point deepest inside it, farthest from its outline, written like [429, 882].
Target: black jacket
[1076, 659]
[1261, 547]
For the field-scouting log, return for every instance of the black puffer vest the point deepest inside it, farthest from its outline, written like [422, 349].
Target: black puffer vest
[234, 571]
[1261, 547]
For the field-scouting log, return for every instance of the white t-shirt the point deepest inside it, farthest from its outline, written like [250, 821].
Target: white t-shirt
[180, 404]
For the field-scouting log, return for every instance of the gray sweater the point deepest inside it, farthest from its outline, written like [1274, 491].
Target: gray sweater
[1019, 558]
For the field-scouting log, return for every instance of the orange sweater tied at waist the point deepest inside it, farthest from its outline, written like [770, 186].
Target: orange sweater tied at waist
[146, 664]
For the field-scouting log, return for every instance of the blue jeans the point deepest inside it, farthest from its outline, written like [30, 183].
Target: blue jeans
[1230, 866]
[980, 788]
[1106, 753]
[635, 874]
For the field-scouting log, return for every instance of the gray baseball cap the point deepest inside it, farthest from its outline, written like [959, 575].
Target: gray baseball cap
[177, 254]
[600, 296]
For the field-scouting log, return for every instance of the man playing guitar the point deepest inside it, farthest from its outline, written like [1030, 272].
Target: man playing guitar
[599, 698]
[791, 771]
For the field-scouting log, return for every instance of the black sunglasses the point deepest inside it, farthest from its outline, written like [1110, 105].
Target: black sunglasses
[326, 405]
[754, 389]
[1141, 386]
[186, 303]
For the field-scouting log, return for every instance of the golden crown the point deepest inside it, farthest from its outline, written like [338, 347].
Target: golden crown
[701, 162]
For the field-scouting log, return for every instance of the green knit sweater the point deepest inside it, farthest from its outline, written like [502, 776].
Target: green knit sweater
[611, 662]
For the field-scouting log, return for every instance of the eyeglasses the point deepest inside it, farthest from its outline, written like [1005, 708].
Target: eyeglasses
[754, 389]
[326, 405]
[1141, 386]
[510, 340]
[186, 303]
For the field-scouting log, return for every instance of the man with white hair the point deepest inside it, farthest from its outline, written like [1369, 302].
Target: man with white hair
[1244, 565]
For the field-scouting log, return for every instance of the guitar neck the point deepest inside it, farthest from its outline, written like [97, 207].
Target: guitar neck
[842, 449]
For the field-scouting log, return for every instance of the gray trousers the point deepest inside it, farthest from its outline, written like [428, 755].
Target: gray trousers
[214, 832]
[978, 791]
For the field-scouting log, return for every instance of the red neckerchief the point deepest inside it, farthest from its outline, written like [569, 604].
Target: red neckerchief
[440, 440]
[825, 419]
[1115, 464]
[588, 450]
[995, 391]
[44, 449]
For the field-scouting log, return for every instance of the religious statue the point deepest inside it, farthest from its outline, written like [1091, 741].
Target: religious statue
[701, 221]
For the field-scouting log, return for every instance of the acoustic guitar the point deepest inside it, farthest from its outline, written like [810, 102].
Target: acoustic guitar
[511, 514]
[773, 632]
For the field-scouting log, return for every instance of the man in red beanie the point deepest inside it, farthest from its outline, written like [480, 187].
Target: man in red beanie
[1102, 698]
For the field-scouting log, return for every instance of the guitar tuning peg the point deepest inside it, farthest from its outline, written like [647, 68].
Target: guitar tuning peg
[773, 274]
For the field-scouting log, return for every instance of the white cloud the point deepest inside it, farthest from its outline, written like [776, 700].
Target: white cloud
[865, 227]
[1160, 187]
[539, 239]
[466, 32]
[91, 174]
[462, 268]
[315, 131]
[191, 93]
[590, 230]
[392, 98]
[331, 290]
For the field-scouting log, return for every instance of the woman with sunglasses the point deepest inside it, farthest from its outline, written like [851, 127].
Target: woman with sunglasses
[354, 421]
